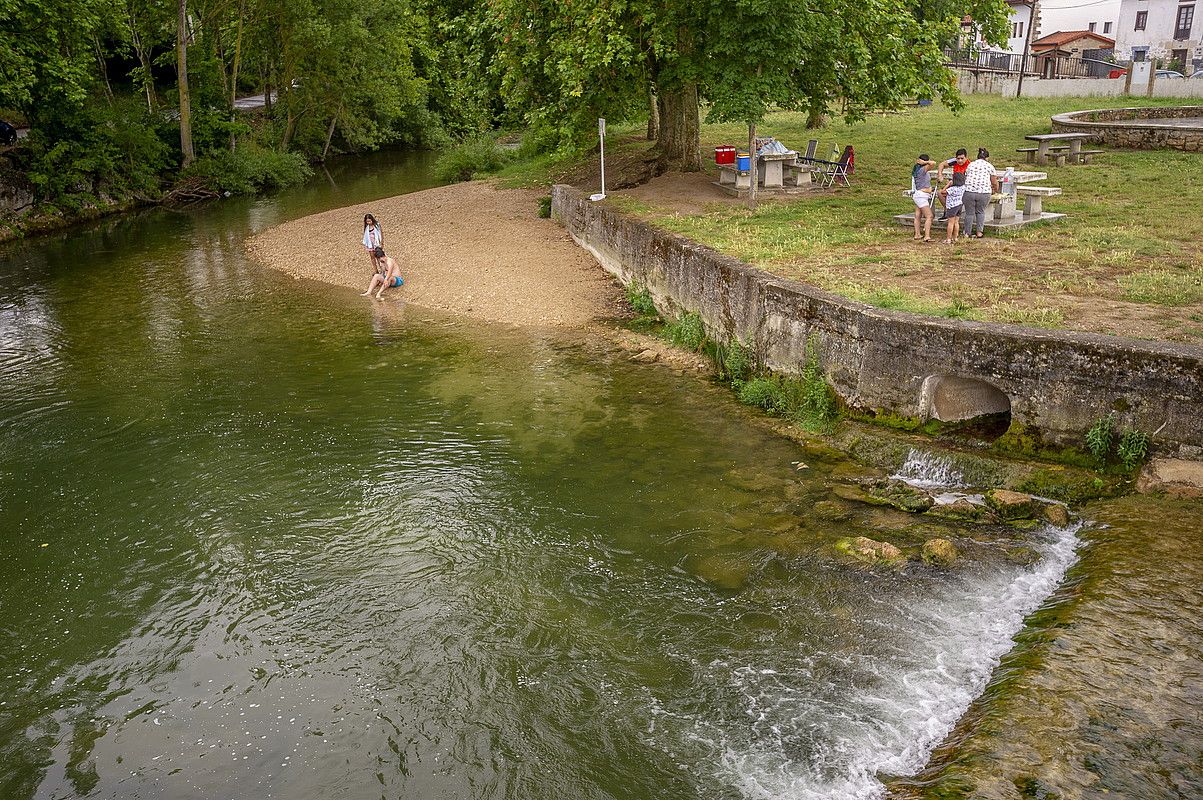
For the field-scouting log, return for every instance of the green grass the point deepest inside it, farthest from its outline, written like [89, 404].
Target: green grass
[1163, 287]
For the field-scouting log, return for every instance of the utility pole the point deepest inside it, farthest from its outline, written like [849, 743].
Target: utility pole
[1033, 10]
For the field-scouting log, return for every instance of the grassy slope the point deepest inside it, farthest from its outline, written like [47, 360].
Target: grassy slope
[1127, 260]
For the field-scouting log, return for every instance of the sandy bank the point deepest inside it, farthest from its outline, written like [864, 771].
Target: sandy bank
[470, 249]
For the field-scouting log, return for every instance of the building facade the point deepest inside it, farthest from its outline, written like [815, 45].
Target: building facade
[1168, 31]
[1080, 15]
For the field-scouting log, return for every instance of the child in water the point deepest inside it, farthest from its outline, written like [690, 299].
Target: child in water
[387, 274]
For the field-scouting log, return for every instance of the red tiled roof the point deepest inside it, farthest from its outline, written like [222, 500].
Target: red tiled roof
[1065, 37]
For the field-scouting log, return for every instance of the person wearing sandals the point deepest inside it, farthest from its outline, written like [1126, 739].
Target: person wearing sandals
[953, 205]
[373, 238]
[980, 183]
[922, 194]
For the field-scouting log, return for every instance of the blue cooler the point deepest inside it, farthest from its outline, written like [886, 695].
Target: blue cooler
[743, 162]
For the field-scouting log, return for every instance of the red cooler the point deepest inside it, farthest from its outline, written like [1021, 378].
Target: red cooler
[724, 154]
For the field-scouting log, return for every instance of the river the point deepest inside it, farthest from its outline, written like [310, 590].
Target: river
[265, 538]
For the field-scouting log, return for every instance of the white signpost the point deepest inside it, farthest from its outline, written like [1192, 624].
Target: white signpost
[601, 135]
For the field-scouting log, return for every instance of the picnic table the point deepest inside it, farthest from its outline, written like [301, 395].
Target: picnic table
[1006, 207]
[1046, 141]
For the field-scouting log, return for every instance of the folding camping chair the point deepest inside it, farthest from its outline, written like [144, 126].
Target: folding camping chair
[809, 156]
[831, 171]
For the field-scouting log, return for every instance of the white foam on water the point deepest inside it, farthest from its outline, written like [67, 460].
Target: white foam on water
[927, 471]
[814, 734]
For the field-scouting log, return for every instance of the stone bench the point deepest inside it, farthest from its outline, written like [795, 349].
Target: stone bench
[1058, 152]
[1033, 198]
[729, 175]
[1086, 155]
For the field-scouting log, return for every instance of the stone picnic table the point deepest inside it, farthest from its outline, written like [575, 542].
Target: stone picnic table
[770, 170]
[1004, 209]
[1046, 140]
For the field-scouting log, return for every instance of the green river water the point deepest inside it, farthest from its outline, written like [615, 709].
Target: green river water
[262, 538]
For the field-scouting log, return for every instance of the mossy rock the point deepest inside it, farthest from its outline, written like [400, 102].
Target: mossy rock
[1057, 515]
[939, 553]
[831, 510]
[856, 495]
[962, 511]
[870, 551]
[1010, 505]
[901, 496]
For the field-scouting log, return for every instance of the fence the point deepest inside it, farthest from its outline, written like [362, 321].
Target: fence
[1042, 66]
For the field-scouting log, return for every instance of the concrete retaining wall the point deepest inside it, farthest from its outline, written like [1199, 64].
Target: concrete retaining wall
[1057, 383]
[1102, 123]
[1006, 85]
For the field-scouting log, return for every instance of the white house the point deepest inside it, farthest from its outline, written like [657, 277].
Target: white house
[1096, 16]
[1021, 21]
[1166, 30]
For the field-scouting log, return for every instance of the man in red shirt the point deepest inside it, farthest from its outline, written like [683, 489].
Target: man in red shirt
[958, 163]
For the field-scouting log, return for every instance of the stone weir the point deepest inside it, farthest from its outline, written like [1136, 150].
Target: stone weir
[879, 361]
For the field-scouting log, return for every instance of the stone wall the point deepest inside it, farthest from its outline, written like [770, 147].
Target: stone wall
[1131, 133]
[1007, 84]
[1058, 383]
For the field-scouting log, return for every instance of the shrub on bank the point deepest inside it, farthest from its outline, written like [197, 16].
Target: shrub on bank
[469, 158]
[248, 169]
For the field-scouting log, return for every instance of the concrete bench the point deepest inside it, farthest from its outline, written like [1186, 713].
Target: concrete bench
[729, 175]
[1086, 155]
[1058, 152]
[1033, 198]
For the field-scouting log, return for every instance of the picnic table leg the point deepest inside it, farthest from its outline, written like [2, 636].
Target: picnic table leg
[1042, 153]
[1075, 151]
[773, 174]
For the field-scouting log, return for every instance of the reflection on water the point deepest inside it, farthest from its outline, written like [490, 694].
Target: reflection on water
[263, 539]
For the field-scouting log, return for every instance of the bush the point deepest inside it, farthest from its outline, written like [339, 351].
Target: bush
[759, 392]
[1099, 438]
[640, 300]
[249, 169]
[687, 331]
[469, 158]
[1133, 449]
[545, 207]
[735, 362]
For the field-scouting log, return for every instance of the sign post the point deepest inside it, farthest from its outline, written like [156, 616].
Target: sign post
[601, 135]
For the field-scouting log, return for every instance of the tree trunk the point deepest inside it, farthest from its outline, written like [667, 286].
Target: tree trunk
[755, 168]
[234, 72]
[679, 139]
[815, 118]
[104, 68]
[148, 79]
[653, 113]
[181, 60]
[330, 131]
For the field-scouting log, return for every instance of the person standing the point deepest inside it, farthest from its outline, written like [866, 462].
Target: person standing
[980, 183]
[958, 164]
[373, 238]
[921, 193]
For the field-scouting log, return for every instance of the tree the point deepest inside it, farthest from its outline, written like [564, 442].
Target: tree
[181, 49]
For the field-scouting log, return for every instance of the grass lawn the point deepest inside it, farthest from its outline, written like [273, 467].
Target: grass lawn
[1127, 260]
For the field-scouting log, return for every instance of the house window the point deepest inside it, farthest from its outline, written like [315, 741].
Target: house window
[1017, 30]
[1106, 27]
[1142, 19]
[1092, 26]
[1186, 15]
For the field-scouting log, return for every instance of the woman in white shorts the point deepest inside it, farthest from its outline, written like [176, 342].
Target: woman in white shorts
[922, 194]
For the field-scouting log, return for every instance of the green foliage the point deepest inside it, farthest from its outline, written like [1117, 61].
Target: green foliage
[97, 151]
[686, 331]
[250, 169]
[475, 156]
[1100, 437]
[1133, 449]
[735, 361]
[806, 400]
[545, 207]
[760, 392]
[640, 300]
[817, 410]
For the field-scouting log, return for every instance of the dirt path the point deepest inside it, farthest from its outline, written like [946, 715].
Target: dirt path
[470, 249]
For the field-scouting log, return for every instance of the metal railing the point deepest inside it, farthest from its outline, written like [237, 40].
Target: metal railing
[1039, 66]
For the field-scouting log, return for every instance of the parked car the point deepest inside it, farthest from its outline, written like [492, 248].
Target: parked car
[1197, 73]
[1169, 73]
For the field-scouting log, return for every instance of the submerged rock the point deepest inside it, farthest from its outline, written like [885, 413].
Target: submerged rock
[831, 510]
[871, 551]
[646, 357]
[723, 571]
[1024, 556]
[1012, 505]
[887, 493]
[1173, 476]
[939, 552]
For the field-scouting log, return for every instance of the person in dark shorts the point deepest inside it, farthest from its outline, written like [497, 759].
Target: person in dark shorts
[954, 195]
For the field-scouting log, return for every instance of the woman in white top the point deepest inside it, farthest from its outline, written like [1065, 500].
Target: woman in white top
[373, 237]
[980, 183]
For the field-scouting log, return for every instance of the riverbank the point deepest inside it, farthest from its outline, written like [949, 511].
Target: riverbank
[471, 249]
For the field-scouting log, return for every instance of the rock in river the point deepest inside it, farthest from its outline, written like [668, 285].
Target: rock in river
[871, 551]
[939, 552]
[1012, 505]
